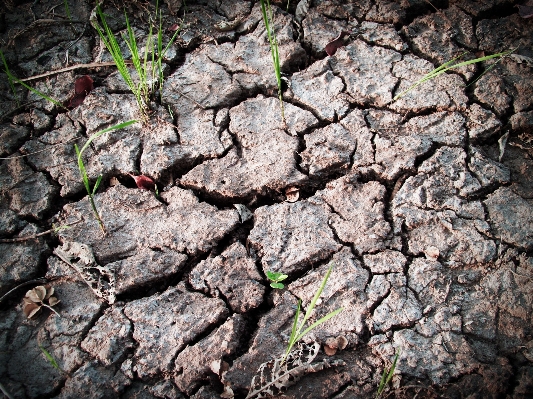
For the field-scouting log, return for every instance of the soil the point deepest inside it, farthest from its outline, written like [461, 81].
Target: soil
[423, 206]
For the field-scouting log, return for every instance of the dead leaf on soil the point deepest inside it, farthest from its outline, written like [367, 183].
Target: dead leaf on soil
[292, 194]
[38, 297]
[276, 376]
[525, 11]
[82, 87]
[335, 44]
[143, 182]
[101, 279]
[333, 344]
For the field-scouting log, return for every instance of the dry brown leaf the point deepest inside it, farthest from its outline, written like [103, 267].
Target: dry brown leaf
[49, 292]
[30, 309]
[292, 194]
[53, 301]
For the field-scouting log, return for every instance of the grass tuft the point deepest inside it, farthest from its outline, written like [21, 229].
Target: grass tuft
[387, 375]
[150, 58]
[296, 333]
[266, 10]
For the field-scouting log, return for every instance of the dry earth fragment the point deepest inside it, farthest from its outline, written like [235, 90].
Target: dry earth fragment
[163, 324]
[233, 275]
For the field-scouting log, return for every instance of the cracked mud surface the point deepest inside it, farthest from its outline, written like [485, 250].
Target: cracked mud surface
[428, 222]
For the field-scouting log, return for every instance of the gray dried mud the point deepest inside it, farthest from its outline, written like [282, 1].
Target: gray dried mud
[423, 205]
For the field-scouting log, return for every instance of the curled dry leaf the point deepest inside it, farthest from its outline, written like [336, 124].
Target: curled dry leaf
[143, 182]
[30, 309]
[37, 294]
[292, 194]
[525, 11]
[82, 87]
[335, 44]
[333, 344]
[113, 182]
[38, 297]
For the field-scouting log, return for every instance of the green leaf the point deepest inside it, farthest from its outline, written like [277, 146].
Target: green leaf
[276, 276]
[317, 295]
[277, 285]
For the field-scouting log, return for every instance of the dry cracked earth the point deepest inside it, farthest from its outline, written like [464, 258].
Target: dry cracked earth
[424, 205]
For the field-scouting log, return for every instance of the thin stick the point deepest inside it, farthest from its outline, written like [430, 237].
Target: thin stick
[71, 68]
[26, 238]
[46, 149]
[39, 280]
[4, 391]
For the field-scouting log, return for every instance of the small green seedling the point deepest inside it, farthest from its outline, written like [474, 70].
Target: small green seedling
[83, 172]
[450, 65]
[50, 358]
[296, 333]
[276, 277]
[387, 376]
[266, 10]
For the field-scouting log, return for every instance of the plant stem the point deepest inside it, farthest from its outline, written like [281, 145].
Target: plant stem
[97, 215]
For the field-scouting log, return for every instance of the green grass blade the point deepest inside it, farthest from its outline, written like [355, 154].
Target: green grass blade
[391, 371]
[293, 331]
[381, 385]
[387, 375]
[39, 93]
[108, 37]
[82, 169]
[9, 76]
[97, 184]
[317, 295]
[318, 322]
[448, 66]
[109, 129]
[67, 10]
[50, 358]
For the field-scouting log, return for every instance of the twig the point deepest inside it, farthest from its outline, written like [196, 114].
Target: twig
[14, 110]
[46, 149]
[25, 238]
[4, 391]
[37, 23]
[72, 67]
[39, 280]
